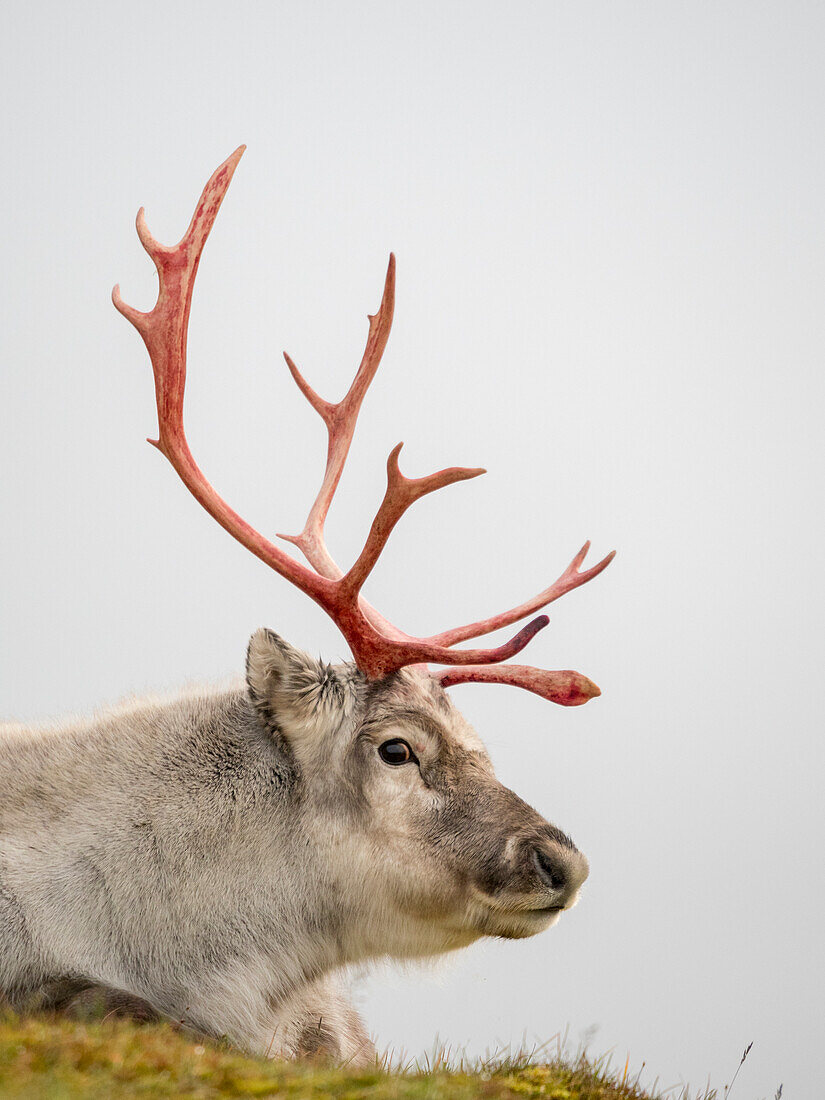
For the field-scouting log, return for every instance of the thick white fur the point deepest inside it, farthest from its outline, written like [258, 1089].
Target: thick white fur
[223, 855]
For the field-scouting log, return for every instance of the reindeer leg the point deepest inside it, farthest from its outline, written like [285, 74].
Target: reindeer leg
[319, 1021]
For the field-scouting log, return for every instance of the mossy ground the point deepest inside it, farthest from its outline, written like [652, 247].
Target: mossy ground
[50, 1058]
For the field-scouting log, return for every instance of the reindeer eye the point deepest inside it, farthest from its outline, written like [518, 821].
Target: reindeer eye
[396, 752]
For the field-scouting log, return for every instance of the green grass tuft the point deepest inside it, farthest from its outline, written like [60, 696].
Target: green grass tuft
[55, 1058]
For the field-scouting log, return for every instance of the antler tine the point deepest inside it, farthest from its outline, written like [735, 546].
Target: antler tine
[569, 689]
[340, 420]
[164, 331]
[400, 494]
[571, 578]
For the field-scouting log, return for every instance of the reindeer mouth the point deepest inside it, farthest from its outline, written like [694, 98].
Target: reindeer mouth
[515, 921]
[538, 916]
[519, 924]
[512, 908]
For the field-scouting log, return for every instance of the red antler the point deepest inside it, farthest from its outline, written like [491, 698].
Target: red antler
[378, 647]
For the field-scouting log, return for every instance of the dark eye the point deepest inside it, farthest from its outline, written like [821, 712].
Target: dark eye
[396, 752]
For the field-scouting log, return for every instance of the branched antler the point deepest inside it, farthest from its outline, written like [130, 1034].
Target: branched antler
[401, 493]
[340, 420]
[379, 647]
[571, 578]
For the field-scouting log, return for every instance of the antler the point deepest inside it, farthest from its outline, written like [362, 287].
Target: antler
[340, 420]
[378, 647]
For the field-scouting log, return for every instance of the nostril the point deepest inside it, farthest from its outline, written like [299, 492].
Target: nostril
[552, 868]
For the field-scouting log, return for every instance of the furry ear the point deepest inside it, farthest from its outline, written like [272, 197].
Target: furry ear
[294, 695]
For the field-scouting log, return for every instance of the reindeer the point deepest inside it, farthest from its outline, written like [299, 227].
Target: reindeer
[223, 857]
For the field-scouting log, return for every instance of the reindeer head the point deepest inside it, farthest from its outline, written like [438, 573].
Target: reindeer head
[486, 862]
[402, 811]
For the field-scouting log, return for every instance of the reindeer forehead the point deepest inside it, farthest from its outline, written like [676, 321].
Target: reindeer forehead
[417, 697]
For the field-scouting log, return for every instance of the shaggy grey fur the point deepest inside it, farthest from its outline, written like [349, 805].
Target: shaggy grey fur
[224, 855]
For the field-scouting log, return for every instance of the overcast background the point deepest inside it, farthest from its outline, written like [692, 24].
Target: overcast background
[609, 229]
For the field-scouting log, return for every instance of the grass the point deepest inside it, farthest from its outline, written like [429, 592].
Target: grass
[46, 1057]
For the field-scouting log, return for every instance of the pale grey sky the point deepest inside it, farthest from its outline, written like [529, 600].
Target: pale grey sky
[609, 229]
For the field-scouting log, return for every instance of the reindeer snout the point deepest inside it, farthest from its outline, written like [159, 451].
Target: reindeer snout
[561, 869]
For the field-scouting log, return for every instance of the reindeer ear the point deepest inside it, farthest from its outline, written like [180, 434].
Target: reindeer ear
[293, 694]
